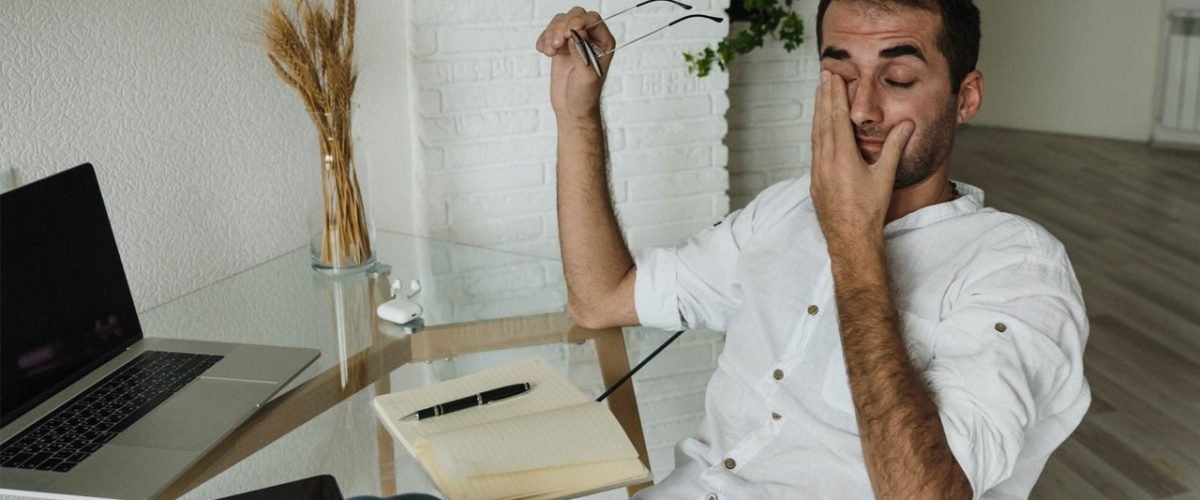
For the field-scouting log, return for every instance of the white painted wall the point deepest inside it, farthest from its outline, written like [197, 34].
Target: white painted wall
[203, 155]
[1082, 67]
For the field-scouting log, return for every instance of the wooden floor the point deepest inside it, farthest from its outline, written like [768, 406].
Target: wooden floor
[1129, 216]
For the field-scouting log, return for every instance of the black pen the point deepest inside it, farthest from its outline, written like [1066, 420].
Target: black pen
[483, 398]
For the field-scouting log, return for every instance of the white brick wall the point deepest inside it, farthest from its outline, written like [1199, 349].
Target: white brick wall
[486, 133]
[770, 118]
[486, 161]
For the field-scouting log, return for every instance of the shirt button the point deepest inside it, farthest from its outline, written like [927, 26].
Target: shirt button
[813, 310]
[776, 416]
[778, 374]
[712, 496]
[1000, 327]
[730, 464]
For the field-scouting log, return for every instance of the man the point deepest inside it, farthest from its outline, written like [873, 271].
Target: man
[886, 333]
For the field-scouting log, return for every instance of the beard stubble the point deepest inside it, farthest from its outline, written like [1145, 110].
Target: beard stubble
[921, 158]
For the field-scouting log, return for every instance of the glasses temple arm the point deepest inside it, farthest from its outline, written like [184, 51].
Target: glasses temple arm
[673, 23]
[602, 21]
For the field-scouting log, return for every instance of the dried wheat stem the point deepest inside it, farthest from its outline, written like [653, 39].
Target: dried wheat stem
[313, 52]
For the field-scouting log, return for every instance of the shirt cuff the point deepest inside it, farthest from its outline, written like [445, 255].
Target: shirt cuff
[964, 453]
[655, 298]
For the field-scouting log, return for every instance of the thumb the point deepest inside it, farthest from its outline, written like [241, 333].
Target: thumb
[603, 38]
[893, 146]
[580, 63]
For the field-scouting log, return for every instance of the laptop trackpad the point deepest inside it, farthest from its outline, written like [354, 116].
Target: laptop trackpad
[195, 417]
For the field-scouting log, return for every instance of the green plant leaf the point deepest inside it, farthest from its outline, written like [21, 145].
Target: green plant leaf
[767, 17]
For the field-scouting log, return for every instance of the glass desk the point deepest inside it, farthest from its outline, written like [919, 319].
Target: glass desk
[482, 308]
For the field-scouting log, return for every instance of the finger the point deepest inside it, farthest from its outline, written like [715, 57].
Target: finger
[843, 131]
[544, 40]
[563, 27]
[819, 119]
[828, 148]
[599, 32]
[602, 37]
[582, 70]
[577, 22]
[893, 146]
[556, 36]
[604, 60]
[560, 39]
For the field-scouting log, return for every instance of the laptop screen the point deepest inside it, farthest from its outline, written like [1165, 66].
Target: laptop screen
[65, 306]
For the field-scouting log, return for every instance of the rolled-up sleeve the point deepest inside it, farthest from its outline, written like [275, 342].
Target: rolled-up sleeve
[654, 294]
[694, 285]
[1007, 372]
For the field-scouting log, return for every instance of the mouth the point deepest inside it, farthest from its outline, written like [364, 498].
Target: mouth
[868, 143]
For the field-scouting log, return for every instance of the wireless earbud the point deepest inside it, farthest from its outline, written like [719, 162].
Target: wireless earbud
[402, 309]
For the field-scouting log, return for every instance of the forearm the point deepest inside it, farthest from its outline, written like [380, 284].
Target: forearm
[596, 260]
[904, 445]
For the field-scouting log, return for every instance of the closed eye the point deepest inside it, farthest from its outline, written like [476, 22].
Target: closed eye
[902, 85]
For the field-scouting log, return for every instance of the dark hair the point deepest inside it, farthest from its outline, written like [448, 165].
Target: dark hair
[958, 40]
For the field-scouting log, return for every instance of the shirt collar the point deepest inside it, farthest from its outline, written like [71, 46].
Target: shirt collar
[971, 201]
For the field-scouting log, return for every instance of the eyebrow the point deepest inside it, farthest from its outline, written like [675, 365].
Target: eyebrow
[888, 53]
[901, 51]
[835, 53]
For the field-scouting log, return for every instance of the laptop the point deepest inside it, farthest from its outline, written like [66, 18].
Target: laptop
[88, 406]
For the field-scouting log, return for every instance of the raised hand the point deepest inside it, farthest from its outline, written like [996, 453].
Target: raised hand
[574, 87]
[851, 197]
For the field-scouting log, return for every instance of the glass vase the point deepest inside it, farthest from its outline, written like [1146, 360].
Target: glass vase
[340, 227]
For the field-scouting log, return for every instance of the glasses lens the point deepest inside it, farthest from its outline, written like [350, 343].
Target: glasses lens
[594, 61]
[588, 52]
[580, 47]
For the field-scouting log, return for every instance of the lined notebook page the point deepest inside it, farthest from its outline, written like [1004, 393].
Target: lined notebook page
[549, 391]
[583, 433]
[466, 434]
[554, 482]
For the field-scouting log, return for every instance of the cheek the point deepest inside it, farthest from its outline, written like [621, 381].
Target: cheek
[925, 113]
[933, 133]
[898, 111]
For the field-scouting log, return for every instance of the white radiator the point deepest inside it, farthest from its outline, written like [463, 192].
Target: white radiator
[1179, 118]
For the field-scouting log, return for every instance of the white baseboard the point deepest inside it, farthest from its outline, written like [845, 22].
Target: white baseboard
[1166, 137]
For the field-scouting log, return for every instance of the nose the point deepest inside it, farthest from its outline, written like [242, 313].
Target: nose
[864, 106]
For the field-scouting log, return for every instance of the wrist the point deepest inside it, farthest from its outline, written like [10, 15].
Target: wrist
[847, 240]
[575, 120]
[858, 261]
[587, 128]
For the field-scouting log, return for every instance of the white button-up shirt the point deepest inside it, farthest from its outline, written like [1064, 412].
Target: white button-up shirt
[989, 308]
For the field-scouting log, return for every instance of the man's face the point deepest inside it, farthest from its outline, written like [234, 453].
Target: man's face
[894, 72]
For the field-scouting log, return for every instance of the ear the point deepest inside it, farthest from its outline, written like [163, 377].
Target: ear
[970, 96]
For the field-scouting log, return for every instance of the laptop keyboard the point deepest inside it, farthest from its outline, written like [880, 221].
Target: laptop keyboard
[67, 436]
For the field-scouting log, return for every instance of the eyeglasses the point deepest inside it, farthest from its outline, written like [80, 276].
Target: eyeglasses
[591, 54]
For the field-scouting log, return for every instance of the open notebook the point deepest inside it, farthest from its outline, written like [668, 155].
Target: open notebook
[551, 442]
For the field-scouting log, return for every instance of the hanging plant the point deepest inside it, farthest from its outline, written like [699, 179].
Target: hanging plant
[765, 17]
